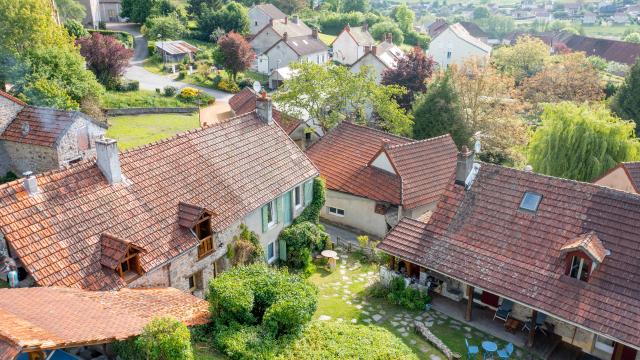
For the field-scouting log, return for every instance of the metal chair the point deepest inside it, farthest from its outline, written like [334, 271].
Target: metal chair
[472, 350]
[504, 310]
[506, 352]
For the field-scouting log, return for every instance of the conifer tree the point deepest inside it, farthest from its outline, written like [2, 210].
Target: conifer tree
[626, 102]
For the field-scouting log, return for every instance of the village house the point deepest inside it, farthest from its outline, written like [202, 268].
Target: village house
[625, 177]
[620, 18]
[527, 246]
[454, 45]
[38, 139]
[64, 323]
[611, 50]
[275, 31]
[261, 15]
[374, 178]
[351, 43]
[98, 11]
[378, 58]
[160, 215]
[175, 51]
[307, 48]
[589, 18]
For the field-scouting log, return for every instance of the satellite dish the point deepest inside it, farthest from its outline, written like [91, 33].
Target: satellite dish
[477, 146]
[257, 87]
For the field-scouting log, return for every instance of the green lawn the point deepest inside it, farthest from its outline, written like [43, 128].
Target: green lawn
[327, 39]
[342, 298]
[3, 284]
[137, 130]
[141, 98]
[613, 31]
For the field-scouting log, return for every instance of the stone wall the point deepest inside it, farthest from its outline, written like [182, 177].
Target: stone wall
[68, 147]
[151, 110]
[27, 157]
[8, 110]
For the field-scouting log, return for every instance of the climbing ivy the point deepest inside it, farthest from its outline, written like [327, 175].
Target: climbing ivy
[312, 212]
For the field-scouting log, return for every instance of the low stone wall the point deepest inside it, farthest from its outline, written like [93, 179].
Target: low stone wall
[152, 110]
[428, 335]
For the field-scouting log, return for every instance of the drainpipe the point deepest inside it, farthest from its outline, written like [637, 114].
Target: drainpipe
[169, 274]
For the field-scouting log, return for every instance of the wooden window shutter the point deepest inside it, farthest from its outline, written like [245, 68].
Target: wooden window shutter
[265, 219]
[279, 210]
[308, 192]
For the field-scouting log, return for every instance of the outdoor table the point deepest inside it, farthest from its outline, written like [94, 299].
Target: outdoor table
[332, 256]
[489, 348]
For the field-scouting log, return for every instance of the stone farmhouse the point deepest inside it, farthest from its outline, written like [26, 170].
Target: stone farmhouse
[261, 15]
[562, 252]
[379, 58]
[38, 139]
[374, 179]
[41, 322]
[454, 45]
[101, 11]
[625, 177]
[351, 44]
[161, 215]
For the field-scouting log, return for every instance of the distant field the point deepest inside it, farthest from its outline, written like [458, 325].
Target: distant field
[138, 130]
[614, 31]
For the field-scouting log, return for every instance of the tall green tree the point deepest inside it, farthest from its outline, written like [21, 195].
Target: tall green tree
[71, 10]
[438, 112]
[626, 102]
[195, 6]
[581, 142]
[138, 10]
[164, 27]
[330, 94]
[405, 17]
[379, 30]
[355, 5]
[231, 17]
[524, 59]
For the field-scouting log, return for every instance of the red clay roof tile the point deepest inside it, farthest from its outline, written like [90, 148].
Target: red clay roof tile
[245, 102]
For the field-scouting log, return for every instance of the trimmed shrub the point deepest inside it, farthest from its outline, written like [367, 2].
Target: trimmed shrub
[162, 338]
[189, 94]
[301, 239]
[407, 297]
[127, 85]
[169, 91]
[123, 37]
[228, 86]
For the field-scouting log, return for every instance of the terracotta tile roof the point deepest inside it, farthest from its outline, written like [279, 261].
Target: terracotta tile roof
[304, 45]
[245, 102]
[49, 318]
[189, 214]
[481, 237]
[8, 349]
[359, 34]
[12, 98]
[423, 168]
[633, 171]
[40, 126]
[590, 244]
[610, 50]
[232, 168]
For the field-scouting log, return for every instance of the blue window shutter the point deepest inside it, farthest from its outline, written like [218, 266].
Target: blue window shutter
[265, 219]
[308, 192]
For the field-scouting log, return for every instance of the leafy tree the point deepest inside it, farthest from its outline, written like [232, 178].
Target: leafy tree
[411, 72]
[415, 38]
[71, 10]
[524, 59]
[405, 17]
[162, 339]
[236, 53]
[75, 29]
[626, 102]
[438, 112]
[355, 5]
[581, 142]
[497, 26]
[633, 37]
[330, 94]
[164, 27]
[290, 6]
[312, 212]
[106, 57]
[491, 108]
[196, 6]
[481, 12]
[138, 10]
[231, 17]
[379, 30]
[569, 77]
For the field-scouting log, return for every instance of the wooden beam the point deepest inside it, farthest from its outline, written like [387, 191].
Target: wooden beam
[467, 315]
[618, 349]
[532, 328]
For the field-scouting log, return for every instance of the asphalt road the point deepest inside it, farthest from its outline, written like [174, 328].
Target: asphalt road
[147, 79]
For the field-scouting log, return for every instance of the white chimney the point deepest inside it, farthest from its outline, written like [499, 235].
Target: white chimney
[264, 108]
[109, 160]
[464, 166]
[295, 19]
[30, 183]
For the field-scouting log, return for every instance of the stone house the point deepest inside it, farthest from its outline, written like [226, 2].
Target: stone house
[161, 215]
[308, 48]
[378, 58]
[101, 11]
[374, 178]
[589, 18]
[261, 15]
[38, 139]
[454, 45]
[625, 177]
[559, 251]
[350, 44]
[275, 30]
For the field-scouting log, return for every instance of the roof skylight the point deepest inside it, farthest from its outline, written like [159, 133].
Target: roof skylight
[530, 201]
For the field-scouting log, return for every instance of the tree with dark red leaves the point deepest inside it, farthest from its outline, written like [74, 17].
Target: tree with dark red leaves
[236, 53]
[412, 72]
[106, 57]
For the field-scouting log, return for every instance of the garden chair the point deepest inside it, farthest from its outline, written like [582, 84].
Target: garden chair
[506, 352]
[540, 318]
[504, 310]
[472, 351]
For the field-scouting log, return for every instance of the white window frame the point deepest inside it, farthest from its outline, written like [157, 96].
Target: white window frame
[297, 197]
[603, 346]
[580, 267]
[271, 259]
[335, 211]
[271, 208]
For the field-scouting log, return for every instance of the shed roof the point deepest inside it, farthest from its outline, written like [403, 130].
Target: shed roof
[176, 47]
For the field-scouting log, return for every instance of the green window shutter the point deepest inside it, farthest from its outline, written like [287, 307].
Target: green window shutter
[308, 192]
[265, 219]
[283, 250]
[279, 210]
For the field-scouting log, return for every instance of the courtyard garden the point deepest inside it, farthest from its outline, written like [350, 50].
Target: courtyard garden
[136, 130]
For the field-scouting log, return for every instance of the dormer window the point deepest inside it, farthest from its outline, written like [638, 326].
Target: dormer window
[198, 220]
[583, 255]
[121, 256]
[203, 232]
[129, 266]
[530, 201]
[580, 268]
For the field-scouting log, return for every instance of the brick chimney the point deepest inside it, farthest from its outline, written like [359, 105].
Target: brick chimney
[109, 160]
[365, 27]
[314, 33]
[30, 183]
[295, 19]
[374, 49]
[464, 165]
[264, 108]
[389, 38]
[286, 20]
[285, 37]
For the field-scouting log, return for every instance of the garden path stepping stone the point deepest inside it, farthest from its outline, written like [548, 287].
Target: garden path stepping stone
[348, 302]
[413, 342]
[367, 320]
[428, 324]
[358, 307]
[467, 328]
[377, 317]
[365, 312]
[435, 357]
[353, 321]
[424, 350]
[324, 317]
[394, 323]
